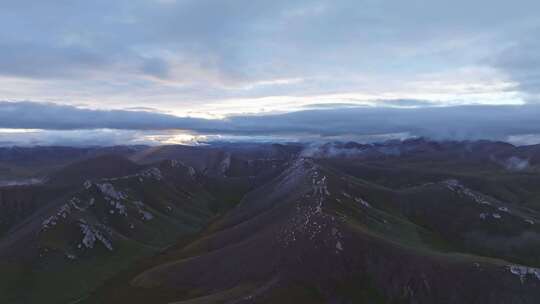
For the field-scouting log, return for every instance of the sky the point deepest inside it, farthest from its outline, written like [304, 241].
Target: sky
[185, 71]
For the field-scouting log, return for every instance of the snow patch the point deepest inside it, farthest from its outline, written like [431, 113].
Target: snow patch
[347, 195]
[53, 220]
[145, 215]
[87, 185]
[119, 207]
[91, 235]
[503, 209]
[362, 202]
[225, 164]
[457, 187]
[524, 271]
[109, 191]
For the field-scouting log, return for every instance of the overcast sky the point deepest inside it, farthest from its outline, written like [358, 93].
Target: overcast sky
[132, 70]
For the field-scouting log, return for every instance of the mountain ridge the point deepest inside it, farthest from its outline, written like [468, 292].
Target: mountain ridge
[272, 223]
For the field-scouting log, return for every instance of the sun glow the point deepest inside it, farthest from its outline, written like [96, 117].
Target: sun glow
[3, 130]
[176, 139]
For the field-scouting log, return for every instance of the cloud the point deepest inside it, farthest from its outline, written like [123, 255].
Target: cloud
[406, 102]
[349, 123]
[32, 60]
[377, 102]
[516, 164]
[521, 62]
[51, 116]
[331, 105]
[156, 67]
[76, 138]
[460, 122]
[191, 53]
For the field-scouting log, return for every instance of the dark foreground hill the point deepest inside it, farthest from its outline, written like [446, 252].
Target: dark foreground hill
[399, 222]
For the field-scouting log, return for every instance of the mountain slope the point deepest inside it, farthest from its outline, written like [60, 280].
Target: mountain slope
[314, 235]
[104, 166]
[397, 222]
[101, 228]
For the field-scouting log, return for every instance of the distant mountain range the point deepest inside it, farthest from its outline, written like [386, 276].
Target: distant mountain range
[414, 221]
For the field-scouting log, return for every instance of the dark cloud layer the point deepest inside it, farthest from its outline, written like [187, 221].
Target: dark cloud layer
[462, 122]
[50, 116]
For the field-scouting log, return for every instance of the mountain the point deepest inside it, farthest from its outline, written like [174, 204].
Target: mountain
[19, 202]
[104, 166]
[223, 159]
[314, 235]
[18, 165]
[417, 221]
[98, 216]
